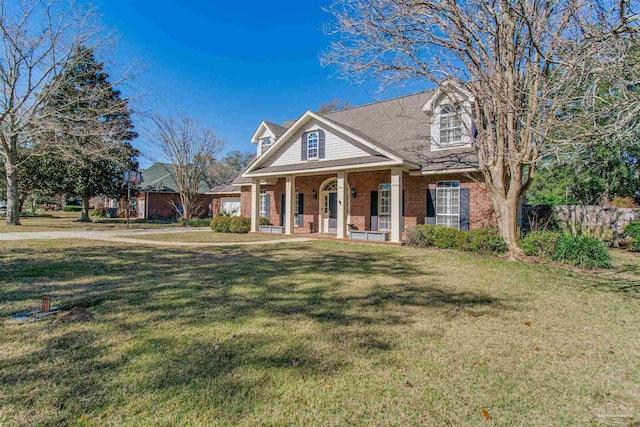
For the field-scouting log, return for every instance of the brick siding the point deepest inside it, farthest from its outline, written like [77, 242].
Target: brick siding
[481, 211]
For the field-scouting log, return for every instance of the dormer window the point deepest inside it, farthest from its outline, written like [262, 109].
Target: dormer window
[312, 145]
[451, 132]
[265, 143]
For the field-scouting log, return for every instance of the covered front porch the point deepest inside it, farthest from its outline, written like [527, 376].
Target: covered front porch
[364, 205]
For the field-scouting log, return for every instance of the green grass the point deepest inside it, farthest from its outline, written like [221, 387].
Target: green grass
[384, 336]
[208, 237]
[63, 221]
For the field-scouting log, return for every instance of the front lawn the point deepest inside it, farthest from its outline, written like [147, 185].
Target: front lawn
[63, 221]
[208, 237]
[315, 333]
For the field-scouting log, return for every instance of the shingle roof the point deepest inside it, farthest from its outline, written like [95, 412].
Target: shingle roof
[401, 125]
[224, 189]
[159, 177]
[397, 125]
[276, 129]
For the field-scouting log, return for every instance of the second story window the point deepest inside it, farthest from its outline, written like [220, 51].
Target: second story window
[312, 145]
[451, 124]
[265, 143]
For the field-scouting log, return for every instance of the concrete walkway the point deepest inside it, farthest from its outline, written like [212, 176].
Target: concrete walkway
[98, 234]
[123, 236]
[160, 243]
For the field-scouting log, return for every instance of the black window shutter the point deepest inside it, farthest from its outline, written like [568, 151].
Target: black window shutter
[303, 143]
[374, 203]
[402, 202]
[283, 206]
[300, 210]
[321, 144]
[267, 204]
[431, 206]
[374, 211]
[464, 209]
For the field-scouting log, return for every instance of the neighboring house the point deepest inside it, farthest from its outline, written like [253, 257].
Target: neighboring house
[226, 199]
[159, 197]
[378, 167]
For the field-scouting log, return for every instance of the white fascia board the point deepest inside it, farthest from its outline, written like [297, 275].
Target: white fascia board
[322, 171]
[444, 171]
[254, 138]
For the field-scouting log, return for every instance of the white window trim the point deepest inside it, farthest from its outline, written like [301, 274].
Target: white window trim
[467, 125]
[296, 212]
[264, 147]
[386, 216]
[317, 148]
[263, 203]
[442, 186]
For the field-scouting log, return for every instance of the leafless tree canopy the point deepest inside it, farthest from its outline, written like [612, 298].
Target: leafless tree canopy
[333, 105]
[536, 72]
[191, 148]
[39, 39]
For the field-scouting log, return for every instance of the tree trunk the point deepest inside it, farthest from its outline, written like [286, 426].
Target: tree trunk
[13, 192]
[506, 208]
[85, 209]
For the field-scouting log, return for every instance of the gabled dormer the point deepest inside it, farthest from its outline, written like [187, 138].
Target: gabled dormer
[265, 136]
[449, 109]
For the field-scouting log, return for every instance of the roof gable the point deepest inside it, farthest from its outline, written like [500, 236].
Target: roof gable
[272, 128]
[359, 144]
[160, 177]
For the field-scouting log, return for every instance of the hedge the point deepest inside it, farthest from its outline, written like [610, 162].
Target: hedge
[581, 251]
[220, 224]
[632, 230]
[540, 243]
[482, 240]
[231, 224]
[72, 208]
[240, 224]
[199, 222]
[264, 221]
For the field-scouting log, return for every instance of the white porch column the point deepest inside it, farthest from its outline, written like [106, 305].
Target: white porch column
[290, 203]
[396, 205]
[342, 197]
[255, 205]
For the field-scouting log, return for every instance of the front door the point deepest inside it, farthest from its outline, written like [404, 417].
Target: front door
[333, 213]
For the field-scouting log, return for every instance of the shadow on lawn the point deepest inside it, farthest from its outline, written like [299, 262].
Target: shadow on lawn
[350, 296]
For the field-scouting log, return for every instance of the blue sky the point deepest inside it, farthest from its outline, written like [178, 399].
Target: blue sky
[229, 64]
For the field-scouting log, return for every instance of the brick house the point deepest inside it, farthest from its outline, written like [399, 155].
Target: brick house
[369, 171]
[226, 199]
[159, 196]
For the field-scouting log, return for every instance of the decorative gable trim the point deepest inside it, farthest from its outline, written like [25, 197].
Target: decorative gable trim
[449, 90]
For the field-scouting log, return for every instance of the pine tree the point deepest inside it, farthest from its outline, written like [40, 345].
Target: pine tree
[95, 128]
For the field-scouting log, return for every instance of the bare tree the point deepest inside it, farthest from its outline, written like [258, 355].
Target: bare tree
[333, 105]
[533, 71]
[191, 148]
[223, 171]
[39, 39]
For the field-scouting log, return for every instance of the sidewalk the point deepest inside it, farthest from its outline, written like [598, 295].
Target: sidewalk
[123, 236]
[53, 235]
